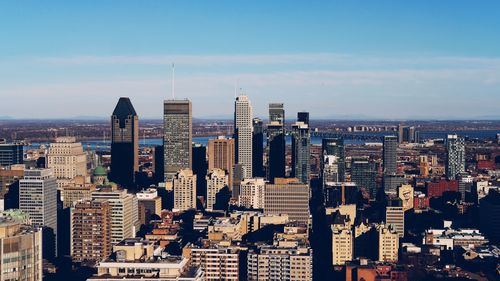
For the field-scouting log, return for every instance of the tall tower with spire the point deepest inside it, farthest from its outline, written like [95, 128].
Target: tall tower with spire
[124, 144]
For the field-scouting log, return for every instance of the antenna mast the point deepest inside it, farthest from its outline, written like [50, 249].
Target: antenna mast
[173, 81]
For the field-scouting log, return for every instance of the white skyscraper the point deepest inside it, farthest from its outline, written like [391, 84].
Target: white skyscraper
[243, 134]
[38, 199]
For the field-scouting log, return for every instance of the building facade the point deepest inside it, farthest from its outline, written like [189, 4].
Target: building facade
[243, 129]
[177, 138]
[66, 158]
[287, 196]
[184, 184]
[252, 193]
[217, 179]
[221, 156]
[455, 156]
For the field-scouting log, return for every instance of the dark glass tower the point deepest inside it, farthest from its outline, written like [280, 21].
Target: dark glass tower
[364, 173]
[335, 147]
[258, 148]
[200, 166]
[10, 153]
[177, 138]
[124, 144]
[276, 142]
[301, 143]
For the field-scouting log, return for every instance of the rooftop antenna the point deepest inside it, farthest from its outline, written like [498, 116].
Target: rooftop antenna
[173, 81]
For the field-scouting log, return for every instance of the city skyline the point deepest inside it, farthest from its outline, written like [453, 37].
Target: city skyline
[387, 60]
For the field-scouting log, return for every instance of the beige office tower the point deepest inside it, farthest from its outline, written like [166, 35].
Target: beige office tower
[124, 212]
[243, 128]
[20, 250]
[177, 137]
[217, 261]
[388, 243]
[342, 243]
[184, 184]
[66, 159]
[217, 179]
[90, 231]
[287, 196]
[150, 201]
[221, 155]
[76, 189]
[395, 216]
[252, 193]
[270, 262]
[405, 193]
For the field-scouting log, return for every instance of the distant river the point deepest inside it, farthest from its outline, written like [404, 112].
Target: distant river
[479, 134]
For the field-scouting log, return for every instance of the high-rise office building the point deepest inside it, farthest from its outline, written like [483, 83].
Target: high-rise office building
[9, 186]
[389, 155]
[303, 117]
[333, 147]
[276, 142]
[258, 149]
[287, 196]
[38, 199]
[184, 184]
[301, 153]
[455, 156]
[388, 243]
[124, 144]
[489, 220]
[243, 128]
[221, 156]
[124, 212]
[66, 158]
[11, 153]
[200, 167]
[90, 231]
[177, 138]
[76, 189]
[252, 193]
[149, 201]
[364, 174]
[217, 180]
[20, 249]
[395, 216]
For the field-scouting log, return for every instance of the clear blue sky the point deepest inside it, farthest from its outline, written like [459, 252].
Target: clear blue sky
[377, 59]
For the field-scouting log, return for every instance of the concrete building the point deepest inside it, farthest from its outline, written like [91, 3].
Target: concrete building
[388, 243]
[150, 202]
[20, 249]
[9, 178]
[258, 149]
[448, 238]
[124, 143]
[90, 231]
[217, 179]
[136, 260]
[184, 184]
[66, 158]
[301, 146]
[76, 189]
[276, 262]
[221, 156]
[124, 212]
[405, 193]
[38, 199]
[395, 216]
[177, 138]
[218, 261]
[342, 243]
[252, 192]
[455, 156]
[287, 196]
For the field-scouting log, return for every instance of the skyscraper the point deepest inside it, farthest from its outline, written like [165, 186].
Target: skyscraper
[364, 174]
[184, 183]
[177, 139]
[38, 199]
[124, 143]
[287, 196]
[243, 135]
[258, 148]
[333, 147]
[10, 153]
[389, 155]
[221, 155]
[200, 167]
[66, 158]
[252, 193]
[301, 143]
[276, 142]
[455, 156]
